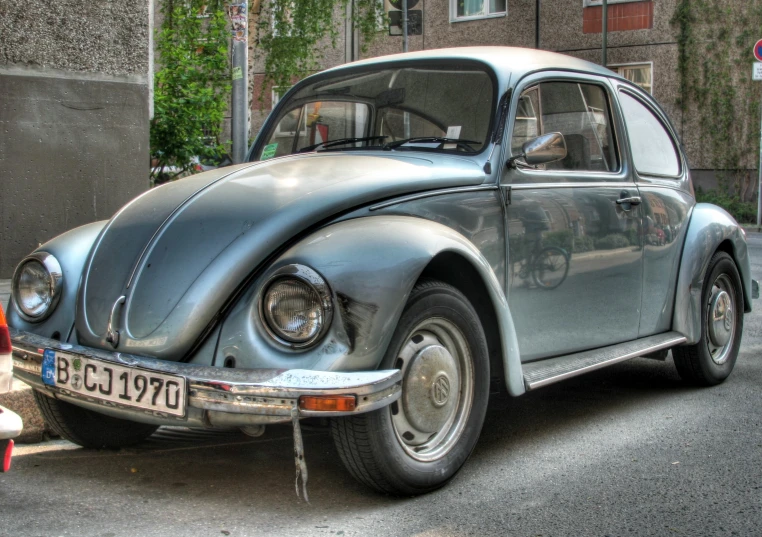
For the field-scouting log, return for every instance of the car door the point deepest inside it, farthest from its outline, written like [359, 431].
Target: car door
[573, 226]
[664, 183]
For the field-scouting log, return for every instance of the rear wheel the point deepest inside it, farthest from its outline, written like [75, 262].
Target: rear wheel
[90, 429]
[711, 360]
[419, 442]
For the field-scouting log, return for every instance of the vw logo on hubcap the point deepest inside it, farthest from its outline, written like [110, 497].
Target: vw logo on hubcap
[440, 390]
[728, 319]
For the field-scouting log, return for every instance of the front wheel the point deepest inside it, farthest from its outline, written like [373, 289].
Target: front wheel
[419, 442]
[711, 360]
[90, 429]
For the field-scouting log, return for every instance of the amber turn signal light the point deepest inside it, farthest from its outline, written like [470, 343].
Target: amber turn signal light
[328, 403]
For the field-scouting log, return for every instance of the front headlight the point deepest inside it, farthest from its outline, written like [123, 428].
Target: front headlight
[296, 306]
[37, 285]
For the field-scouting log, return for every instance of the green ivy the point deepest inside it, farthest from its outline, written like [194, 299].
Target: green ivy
[289, 34]
[192, 87]
[715, 41]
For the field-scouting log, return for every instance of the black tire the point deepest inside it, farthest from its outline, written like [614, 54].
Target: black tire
[90, 429]
[440, 431]
[550, 267]
[707, 363]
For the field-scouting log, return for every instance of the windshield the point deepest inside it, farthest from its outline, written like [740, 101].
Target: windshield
[446, 108]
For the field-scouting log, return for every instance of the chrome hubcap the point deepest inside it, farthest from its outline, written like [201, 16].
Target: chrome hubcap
[437, 389]
[721, 320]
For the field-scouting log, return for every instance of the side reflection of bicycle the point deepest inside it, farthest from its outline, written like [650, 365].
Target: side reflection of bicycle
[548, 267]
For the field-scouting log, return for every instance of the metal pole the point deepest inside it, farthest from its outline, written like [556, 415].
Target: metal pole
[404, 25]
[537, 25]
[605, 32]
[759, 181]
[240, 99]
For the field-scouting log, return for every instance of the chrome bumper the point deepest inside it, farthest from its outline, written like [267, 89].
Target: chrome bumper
[216, 396]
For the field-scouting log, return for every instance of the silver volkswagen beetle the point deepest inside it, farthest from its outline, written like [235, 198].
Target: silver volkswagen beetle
[408, 232]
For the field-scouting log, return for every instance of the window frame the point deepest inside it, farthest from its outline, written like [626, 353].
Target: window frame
[454, 13]
[664, 122]
[598, 3]
[571, 177]
[614, 66]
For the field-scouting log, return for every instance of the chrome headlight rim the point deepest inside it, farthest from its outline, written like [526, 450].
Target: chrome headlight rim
[316, 283]
[53, 268]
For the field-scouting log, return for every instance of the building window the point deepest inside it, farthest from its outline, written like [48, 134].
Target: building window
[637, 73]
[462, 10]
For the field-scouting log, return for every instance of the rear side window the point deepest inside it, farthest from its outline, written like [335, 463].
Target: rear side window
[653, 150]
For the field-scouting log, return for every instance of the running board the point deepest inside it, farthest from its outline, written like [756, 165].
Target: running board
[544, 372]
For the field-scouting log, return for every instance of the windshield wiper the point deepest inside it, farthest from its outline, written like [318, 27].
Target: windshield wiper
[431, 139]
[341, 141]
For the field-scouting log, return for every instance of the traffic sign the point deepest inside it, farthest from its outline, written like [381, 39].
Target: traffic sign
[756, 74]
[397, 4]
[758, 50]
[414, 22]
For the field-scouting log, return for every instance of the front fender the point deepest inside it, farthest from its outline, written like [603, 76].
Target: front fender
[71, 250]
[371, 265]
[709, 227]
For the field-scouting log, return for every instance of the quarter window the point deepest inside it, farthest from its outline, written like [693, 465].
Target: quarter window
[653, 150]
[476, 9]
[578, 111]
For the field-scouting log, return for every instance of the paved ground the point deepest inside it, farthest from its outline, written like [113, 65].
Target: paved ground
[625, 451]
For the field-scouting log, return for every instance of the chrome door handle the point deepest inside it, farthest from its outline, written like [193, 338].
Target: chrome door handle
[634, 200]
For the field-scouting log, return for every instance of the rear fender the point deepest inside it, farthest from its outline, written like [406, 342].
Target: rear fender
[371, 265]
[709, 227]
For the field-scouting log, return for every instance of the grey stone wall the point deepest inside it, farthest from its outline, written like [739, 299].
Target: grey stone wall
[73, 116]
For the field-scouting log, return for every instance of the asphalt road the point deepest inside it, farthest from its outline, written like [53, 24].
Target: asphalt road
[626, 451]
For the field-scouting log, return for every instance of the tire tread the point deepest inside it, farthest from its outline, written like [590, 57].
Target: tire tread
[353, 435]
[90, 429]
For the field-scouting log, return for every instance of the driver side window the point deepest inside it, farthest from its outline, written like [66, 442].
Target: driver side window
[578, 111]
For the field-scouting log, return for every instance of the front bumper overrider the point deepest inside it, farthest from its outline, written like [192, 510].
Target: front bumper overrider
[216, 396]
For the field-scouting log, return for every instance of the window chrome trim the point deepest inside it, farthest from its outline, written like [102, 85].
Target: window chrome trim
[589, 184]
[536, 79]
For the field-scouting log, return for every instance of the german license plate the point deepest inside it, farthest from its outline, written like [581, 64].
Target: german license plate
[106, 381]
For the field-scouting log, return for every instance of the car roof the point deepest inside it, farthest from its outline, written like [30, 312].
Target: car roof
[503, 60]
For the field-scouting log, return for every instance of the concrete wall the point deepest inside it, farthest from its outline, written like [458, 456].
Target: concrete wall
[74, 119]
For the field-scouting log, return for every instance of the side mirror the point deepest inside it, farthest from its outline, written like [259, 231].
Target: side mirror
[543, 149]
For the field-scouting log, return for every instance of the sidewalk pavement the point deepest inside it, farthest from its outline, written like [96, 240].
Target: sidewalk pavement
[20, 398]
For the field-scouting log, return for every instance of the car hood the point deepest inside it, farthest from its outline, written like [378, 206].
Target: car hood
[178, 252]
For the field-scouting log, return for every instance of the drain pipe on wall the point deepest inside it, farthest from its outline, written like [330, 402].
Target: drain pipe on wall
[605, 32]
